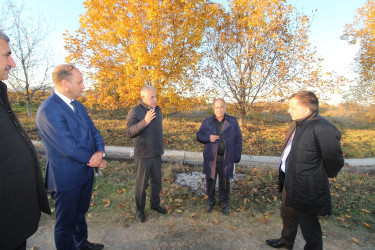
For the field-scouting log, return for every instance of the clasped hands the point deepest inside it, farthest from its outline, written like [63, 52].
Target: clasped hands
[96, 160]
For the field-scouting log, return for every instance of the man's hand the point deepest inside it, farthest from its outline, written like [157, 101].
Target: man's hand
[150, 115]
[213, 138]
[103, 165]
[96, 159]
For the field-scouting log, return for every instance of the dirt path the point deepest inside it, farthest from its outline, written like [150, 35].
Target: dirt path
[204, 231]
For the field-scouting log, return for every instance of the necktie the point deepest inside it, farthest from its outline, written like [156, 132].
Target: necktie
[73, 103]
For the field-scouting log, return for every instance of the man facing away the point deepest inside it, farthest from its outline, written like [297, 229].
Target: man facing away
[145, 127]
[73, 148]
[22, 193]
[311, 155]
[222, 137]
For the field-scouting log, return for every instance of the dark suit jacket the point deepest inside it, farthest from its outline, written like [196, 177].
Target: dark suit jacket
[70, 140]
[22, 193]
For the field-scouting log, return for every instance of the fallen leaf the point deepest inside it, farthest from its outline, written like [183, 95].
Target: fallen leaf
[274, 198]
[339, 218]
[216, 221]
[364, 210]
[169, 224]
[257, 201]
[33, 248]
[107, 201]
[119, 191]
[205, 197]
[124, 190]
[97, 186]
[246, 200]
[343, 189]
[121, 205]
[347, 216]
[266, 215]
[355, 240]
[233, 227]
[193, 215]
[263, 221]
[367, 225]
[178, 211]
[178, 200]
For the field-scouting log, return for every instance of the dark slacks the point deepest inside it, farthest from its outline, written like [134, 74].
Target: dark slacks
[71, 208]
[145, 169]
[224, 185]
[309, 223]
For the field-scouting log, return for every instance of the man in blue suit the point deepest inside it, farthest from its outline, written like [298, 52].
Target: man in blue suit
[74, 147]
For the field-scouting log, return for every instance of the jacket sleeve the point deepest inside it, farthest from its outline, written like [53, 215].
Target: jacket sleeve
[203, 134]
[135, 125]
[328, 138]
[238, 143]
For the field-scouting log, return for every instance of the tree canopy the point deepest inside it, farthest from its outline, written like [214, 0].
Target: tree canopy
[128, 44]
[261, 50]
[362, 32]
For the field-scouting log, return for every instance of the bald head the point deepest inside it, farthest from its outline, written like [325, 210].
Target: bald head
[62, 72]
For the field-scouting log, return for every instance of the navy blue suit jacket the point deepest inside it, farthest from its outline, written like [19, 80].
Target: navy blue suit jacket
[69, 140]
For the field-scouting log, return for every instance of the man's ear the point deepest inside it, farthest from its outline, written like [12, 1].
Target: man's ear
[64, 84]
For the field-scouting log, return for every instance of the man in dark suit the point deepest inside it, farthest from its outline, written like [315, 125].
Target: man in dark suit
[22, 193]
[74, 147]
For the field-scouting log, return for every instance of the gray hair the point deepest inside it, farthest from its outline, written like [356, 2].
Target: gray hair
[218, 99]
[146, 88]
[4, 37]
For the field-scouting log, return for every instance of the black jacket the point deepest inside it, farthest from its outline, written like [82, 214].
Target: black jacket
[22, 191]
[315, 155]
[148, 139]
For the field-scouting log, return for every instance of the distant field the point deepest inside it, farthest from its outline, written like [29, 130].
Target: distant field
[260, 136]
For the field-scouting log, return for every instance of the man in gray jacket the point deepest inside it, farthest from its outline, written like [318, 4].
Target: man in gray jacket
[145, 127]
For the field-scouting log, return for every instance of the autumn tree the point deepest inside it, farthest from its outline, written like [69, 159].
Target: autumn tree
[362, 32]
[127, 44]
[260, 50]
[27, 34]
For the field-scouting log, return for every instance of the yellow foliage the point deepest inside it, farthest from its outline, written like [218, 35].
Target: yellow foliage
[128, 44]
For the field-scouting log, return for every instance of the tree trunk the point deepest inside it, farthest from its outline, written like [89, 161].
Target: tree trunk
[28, 106]
[242, 117]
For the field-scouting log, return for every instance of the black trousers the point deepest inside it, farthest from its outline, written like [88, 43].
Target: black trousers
[145, 169]
[224, 185]
[309, 223]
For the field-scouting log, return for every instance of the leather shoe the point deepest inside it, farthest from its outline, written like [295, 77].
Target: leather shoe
[141, 216]
[278, 243]
[93, 246]
[209, 208]
[225, 210]
[159, 209]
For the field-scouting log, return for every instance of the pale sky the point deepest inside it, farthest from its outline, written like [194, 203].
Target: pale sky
[327, 27]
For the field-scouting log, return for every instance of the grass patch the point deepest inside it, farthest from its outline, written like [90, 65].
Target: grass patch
[254, 197]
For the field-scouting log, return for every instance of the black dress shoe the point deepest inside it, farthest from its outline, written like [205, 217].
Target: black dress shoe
[93, 246]
[209, 208]
[278, 243]
[159, 209]
[225, 210]
[141, 216]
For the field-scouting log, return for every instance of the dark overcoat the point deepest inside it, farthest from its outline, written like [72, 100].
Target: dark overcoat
[232, 140]
[22, 192]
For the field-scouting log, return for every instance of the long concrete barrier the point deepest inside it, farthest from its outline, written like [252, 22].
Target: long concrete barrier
[196, 158]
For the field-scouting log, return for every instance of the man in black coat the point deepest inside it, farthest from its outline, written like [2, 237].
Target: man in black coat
[311, 155]
[145, 127]
[22, 192]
